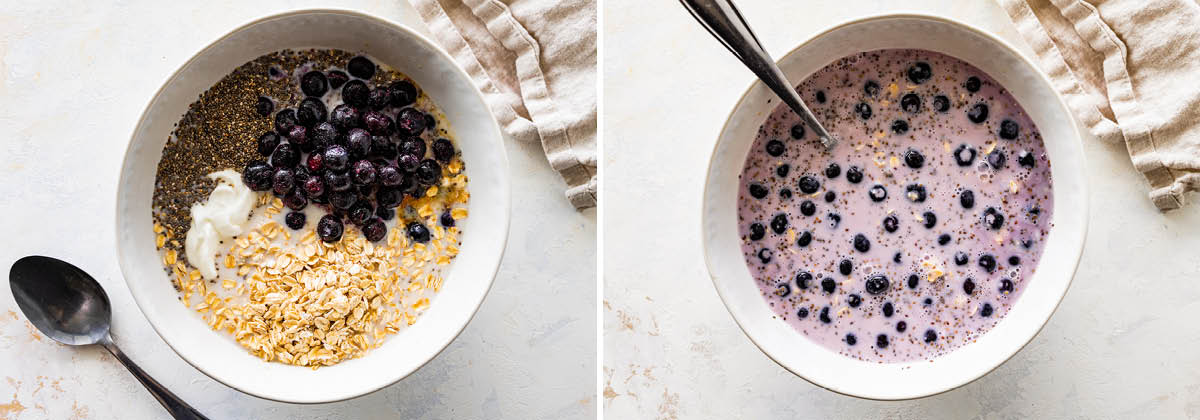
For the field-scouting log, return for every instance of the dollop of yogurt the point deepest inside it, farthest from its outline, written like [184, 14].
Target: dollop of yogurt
[222, 216]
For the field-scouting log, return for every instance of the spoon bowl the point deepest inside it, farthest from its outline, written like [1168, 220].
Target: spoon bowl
[62, 301]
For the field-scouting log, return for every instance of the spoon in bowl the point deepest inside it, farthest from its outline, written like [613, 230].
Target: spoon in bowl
[723, 20]
[69, 306]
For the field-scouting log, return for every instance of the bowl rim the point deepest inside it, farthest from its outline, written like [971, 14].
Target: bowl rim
[1077, 249]
[504, 184]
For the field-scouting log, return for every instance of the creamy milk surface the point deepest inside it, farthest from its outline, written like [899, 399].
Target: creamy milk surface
[918, 232]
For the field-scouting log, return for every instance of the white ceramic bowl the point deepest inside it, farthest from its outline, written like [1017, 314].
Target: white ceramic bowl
[468, 280]
[1064, 245]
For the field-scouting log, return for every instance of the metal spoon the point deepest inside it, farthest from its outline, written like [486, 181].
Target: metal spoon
[723, 20]
[69, 306]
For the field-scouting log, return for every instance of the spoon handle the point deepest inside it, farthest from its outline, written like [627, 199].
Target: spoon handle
[174, 405]
[723, 20]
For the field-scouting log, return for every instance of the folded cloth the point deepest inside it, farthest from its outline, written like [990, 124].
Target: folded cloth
[1128, 70]
[535, 62]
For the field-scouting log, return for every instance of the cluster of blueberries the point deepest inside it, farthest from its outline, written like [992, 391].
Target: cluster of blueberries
[357, 161]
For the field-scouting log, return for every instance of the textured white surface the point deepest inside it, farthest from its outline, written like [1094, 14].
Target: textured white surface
[1122, 344]
[73, 79]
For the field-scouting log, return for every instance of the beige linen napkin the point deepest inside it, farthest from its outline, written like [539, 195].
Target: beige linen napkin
[535, 62]
[1130, 70]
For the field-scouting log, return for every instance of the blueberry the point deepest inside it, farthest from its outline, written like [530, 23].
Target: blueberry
[295, 220]
[804, 239]
[764, 255]
[803, 279]
[854, 175]
[820, 96]
[987, 262]
[779, 223]
[978, 113]
[825, 315]
[888, 309]
[264, 106]
[854, 300]
[911, 103]
[871, 88]
[877, 284]
[901, 326]
[834, 219]
[986, 311]
[851, 339]
[833, 170]
[355, 93]
[428, 172]
[992, 218]
[943, 239]
[377, 123]
[284, 120]
[972, 84]
[418, 232]
[914, 159]
[881, 341]
[314, 83]
[930, 336]
[828, 285]
[430, 122]
[863, 110]
[285, 156]
[1009, 129]
[809, 184]
[296, 200]
[782, 170]
[388, 198]
[382, 146]
[343, 200]
[913, 281]
[379, 98]
[861, 243]
[1026, 243]
[314, 187]
[964, 155]
[337, 78]
[364, 172]
[919, 72]
[257, 175]
[802, 313]
[807, 208]
[891, 223]
[1006, 286]
[299, 137]
[361, 212]
[785, 193]
[267, 143]
[374, 230]
[390, 175]
[336, 181]
[797, 131]
[1014, 260]
[967, 199]
[1026, 159]
[345, 117]
[329, 228]
[941, 103]
[928, 301]
[410, 122]
[361, 67]
[896, 258]
[930, 219]
[413, 146]
[757, 191]
[915, 193]
[336, 157]
[961, 258]
[968, 286]
[783, 290]
[899, 126]
[323, 134]
[404, 93]
[845, 267]
[443, 150]
[775, 148]
[830, 196]
[996, 159]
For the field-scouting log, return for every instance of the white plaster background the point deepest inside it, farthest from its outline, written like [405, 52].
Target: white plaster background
[75, 76]
[1125, 342]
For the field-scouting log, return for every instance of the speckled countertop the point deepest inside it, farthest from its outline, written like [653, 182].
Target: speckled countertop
[1123, 344]
[75, 76]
